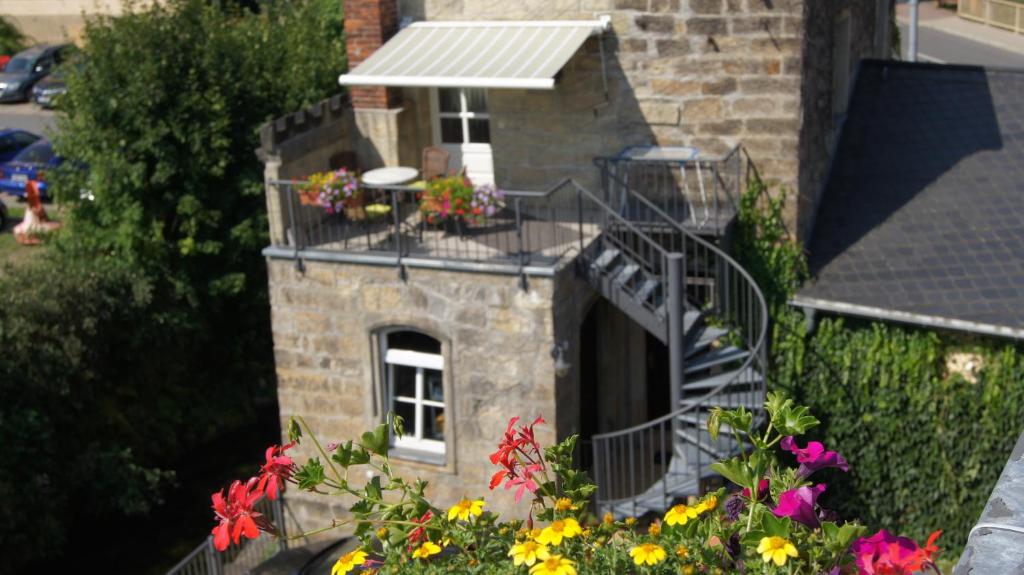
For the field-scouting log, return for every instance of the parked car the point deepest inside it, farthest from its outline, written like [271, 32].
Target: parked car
[32, 163]
[28, 67]
[14, 141]
[48, 91]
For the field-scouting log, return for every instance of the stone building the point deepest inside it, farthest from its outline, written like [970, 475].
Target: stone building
[52, 21]
[623, 132]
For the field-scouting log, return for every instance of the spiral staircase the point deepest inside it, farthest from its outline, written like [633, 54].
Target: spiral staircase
[665, 271]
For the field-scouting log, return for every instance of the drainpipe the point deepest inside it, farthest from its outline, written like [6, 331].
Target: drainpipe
[912, 44]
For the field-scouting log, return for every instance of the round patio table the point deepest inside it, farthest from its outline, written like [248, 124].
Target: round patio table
[390, 176]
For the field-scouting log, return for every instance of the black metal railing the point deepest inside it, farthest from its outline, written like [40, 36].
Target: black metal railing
[699, 192]
[527, 228]
[241, 558]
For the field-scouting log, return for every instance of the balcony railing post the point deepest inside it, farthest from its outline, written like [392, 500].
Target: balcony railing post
[396, 221]
[675, 334]
[519, 244]
[579, 215]
[296, 244]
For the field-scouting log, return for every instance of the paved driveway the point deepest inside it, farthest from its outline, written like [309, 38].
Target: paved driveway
[27, 117]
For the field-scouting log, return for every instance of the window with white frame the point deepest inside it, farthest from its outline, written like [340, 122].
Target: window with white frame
[463, 117]
[414, 389]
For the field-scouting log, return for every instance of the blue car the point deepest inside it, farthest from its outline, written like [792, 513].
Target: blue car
[32, 163]
[13, 141]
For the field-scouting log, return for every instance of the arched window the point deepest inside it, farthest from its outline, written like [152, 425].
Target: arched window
[414, 388]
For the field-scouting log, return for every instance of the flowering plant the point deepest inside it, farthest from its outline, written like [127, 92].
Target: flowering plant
[770, 522]
[332, 191]
[455, 197]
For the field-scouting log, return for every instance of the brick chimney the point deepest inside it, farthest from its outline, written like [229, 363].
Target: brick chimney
[368, 24]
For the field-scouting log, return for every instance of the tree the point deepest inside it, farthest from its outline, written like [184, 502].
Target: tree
[145, 330]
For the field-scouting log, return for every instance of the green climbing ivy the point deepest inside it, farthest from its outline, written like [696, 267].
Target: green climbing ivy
[926, 437]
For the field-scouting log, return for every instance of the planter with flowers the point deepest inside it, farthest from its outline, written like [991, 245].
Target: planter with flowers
[770, 522]
[337, 192]
[454, 201]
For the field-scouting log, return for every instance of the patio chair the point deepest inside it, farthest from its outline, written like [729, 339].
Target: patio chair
[435, 163]
[346, 159]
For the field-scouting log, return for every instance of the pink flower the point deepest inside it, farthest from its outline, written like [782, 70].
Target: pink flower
[524, 482]
[813, 457]
[798, 504]
[887, 554]
[236, 514]
[276, 471]
[762, 490]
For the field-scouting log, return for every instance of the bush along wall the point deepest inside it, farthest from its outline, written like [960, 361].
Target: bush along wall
[929, 416]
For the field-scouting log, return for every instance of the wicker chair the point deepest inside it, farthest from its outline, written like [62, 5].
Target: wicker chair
[435, 163]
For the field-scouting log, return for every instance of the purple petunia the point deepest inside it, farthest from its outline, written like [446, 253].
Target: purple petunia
[813, 457]
[798, 504]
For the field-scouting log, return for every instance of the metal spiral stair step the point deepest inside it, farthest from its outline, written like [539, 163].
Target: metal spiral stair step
[750, 400]
[716, 357]
[747, 376]
[703, 339]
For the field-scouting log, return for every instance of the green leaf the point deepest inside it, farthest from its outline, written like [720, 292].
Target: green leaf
[343, 455]
[373, 490]
[776, 526]
[734, 470]
[377, 440]
[714, 423]
[294, 430]
[311, 474]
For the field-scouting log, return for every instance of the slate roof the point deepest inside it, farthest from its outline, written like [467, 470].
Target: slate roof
[922, 218]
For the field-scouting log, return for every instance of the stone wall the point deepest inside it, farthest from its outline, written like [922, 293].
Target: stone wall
[51, 21]
[496, 339]
[706, 73]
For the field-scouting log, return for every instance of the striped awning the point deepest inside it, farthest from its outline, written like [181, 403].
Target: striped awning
[475, 54]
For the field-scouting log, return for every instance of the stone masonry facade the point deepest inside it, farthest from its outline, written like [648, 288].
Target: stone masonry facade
[496, 340]
[704, 73]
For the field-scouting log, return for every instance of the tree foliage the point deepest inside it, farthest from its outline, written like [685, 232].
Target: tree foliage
[12, 40]
[145, 329]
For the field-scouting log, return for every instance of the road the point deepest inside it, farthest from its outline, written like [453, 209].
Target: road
[942, 48]
[26, 117]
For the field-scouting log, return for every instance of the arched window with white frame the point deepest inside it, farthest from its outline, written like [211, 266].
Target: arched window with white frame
[413, 374]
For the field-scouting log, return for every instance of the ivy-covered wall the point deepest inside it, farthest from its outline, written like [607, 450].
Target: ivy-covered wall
[926, 418]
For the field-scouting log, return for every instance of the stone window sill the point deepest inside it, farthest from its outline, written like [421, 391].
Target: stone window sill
[417, 456]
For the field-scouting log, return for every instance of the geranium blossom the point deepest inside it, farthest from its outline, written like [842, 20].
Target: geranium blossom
[236, 514]
[647, 554]
[528, 552]
[813, 457]
[276, 471]
[520, 457]
[886, 554]
[798, 504]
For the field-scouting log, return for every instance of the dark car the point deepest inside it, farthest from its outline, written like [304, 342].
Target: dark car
[27, 68]
[49, 90]
[13, 141]
[31, 164]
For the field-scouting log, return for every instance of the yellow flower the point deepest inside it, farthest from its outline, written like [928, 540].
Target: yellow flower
[587, 533]
[348, 562]
[426, 550]
[776, 549]
[688, 570]
[528, 552]
[648, 553]
[655, 529]
[382, 533]
[710, 503]
[608, 518]
[563, 504]
[533, 533]
[463, 509]
[554, 565]
[680, 514]
[630, 521]
[682, 551]
[563, 528]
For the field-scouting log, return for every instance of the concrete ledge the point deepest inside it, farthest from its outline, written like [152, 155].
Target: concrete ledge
[996, 543]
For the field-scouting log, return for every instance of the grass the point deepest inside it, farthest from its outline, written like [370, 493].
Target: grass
[11, 252]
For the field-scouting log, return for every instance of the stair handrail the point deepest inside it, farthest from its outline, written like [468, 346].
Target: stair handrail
[757, 344]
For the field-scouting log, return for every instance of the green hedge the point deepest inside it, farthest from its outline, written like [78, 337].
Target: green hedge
[926, 446]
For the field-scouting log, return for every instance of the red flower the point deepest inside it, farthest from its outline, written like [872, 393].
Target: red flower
[520, 457]
[236, 514]
[276, 471]
[886, 554]
[416, 534]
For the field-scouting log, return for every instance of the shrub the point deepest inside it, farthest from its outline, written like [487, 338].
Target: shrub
[930, 444]
[12, 40]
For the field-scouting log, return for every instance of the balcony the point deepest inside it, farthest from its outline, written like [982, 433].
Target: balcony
[530, 234]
